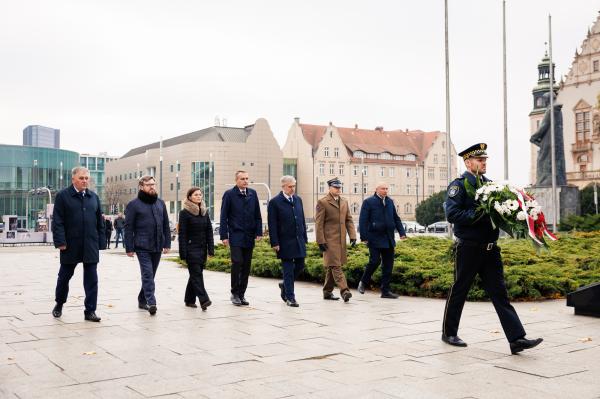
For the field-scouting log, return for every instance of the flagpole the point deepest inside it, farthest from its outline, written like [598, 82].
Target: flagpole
[448, 140]
[504, 90]
[552, 136]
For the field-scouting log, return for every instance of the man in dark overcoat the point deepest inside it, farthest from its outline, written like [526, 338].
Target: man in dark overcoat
[108, 228]
[287, 233]
[147, 234]
[377, 223]
[78, 232]
[241, 225]
[119, 228]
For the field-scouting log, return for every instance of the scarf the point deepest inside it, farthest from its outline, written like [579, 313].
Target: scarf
[194, 209]
[147, 198]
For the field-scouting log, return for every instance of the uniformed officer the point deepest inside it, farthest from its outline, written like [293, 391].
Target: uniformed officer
[332, 221]
[477, 252]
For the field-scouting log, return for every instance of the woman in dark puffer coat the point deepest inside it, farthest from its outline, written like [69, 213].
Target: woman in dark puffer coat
[195, 244]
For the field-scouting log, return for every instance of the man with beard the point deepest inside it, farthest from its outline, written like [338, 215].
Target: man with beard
[147, 234]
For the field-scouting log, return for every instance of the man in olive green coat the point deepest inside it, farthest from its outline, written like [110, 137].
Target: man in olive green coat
[333, 220]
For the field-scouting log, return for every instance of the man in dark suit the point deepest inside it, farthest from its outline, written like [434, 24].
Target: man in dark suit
[119, 227]
[147, 234]
[241, 225]
[377, 223]
[108, 228]
[287, 233]
[78, 232]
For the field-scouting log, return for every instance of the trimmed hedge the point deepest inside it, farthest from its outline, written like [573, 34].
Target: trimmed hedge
[423, 266]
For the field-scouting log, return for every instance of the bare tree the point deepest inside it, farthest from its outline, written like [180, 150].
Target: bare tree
[112, 196]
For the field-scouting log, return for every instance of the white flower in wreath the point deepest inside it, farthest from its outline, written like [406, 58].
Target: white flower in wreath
[521, 215]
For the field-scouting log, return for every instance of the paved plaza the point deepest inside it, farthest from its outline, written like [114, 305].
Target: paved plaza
[367, 348]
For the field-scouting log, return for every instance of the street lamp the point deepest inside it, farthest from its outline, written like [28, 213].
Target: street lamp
[60, 185]
[177, 192]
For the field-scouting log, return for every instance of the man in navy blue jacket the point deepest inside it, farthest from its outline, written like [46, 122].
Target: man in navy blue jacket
[147, 234]
[241, 225]
[78, 231]
[377, 223]
[287, 232]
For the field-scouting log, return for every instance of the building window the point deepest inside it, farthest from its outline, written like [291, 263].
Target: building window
[582, 158]
[171, 168]
[443, 173]
[326, 151]
[444, 159]
[443, 143]
[596, 66]
[407, 208]
[408, 189]
[321, 187]
[365, 171]
[130, 176]
[354, 208]
[365, 188]
[382, 172]
[321, 169]
[430, 189]
[358, 154]
[392, 189]
[435, 158]
[336, 152]
[331, 168]
[355, 170]
[341, 169]
[83, 161]
[203, 176]
[410, 157]
[355, 188]
[582, 126]
[171, 184]
[392, 172]
[408, 172]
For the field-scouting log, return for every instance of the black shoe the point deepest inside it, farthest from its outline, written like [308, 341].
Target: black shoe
[346, 295]
[143, 306]
[57, 311]
[524, 343]
[236, 300]
[152, 309]
[390, 295]
[330, 296]
[244, 301]
[205, 305]
[292, 303]
[361, 287]
[453, 340]
[191, 305]
[282, 289]
[91, 316]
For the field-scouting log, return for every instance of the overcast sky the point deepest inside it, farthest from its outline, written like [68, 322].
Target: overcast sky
[119, 74]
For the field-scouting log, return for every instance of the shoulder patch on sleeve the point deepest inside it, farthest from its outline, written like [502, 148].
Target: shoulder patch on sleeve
[453, 190]
[318, 207]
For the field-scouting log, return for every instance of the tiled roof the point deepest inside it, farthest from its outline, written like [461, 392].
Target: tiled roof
[211, 134]
[396, 142]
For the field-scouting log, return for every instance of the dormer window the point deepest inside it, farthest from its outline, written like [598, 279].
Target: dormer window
[358, 154]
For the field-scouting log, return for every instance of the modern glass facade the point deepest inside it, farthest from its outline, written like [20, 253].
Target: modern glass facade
[41, 136]
[96, 163]
[24, 168]
[203, 176]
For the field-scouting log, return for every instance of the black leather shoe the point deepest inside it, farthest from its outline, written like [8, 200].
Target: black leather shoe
[524, 343]
[91, 316]
[361, 287]
[152, 309]
[236, 300]
[453, 340]
[57, 311]
[346, 295]
[282, 289]
[142, 306]
[205, 305]
[292, 303]
[389, 295]
[244, 301]
[191, 305]
[330, 296]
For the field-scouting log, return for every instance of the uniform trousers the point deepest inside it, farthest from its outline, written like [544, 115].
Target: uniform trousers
[291, 269]
[241, 261]
[471, 261]
[148, 264]
[195, 285]
[334, 275]
[385, 257]
[90, 284]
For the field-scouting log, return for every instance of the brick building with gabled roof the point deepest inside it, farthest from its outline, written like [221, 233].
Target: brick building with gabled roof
[413, 163]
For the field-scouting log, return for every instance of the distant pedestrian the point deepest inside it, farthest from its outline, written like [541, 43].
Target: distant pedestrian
[119, 225]
[287, 232]
[196, 243]
[108, 228]
[147, 235]
[78, 231]
[241, 225]
[378, 220]
[332, 221]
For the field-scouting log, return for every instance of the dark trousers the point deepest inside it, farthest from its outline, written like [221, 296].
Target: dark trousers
[118, 233]
[90, 284]
[108, 234]
[291, 269]
[195, 285]
[377, 256]
[470, 261]
[241, 260]
[148, 264]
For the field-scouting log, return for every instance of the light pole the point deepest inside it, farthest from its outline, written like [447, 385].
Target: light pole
[362, 178]
[177, 192]
[60, 184]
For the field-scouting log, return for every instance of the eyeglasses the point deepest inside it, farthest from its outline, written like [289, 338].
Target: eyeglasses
[150, 184]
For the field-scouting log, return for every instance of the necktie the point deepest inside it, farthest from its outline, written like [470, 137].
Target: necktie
[244, 193]
[291, 200]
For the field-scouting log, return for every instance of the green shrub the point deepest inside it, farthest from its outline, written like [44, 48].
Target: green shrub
[581, 223]
[423, 266]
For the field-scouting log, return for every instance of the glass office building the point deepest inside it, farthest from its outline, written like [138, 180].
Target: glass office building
[24, 168]
[41, 136]
[203, 176]
[96, 164]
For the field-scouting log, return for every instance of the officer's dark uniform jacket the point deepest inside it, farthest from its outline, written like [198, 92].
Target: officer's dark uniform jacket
[460, 211]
